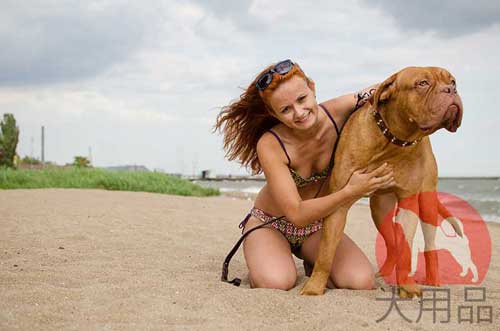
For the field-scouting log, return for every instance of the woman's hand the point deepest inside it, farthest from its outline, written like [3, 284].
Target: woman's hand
[364, 183]
[364, 95]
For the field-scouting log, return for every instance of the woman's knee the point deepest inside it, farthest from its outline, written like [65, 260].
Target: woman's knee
[277, 279]
[356, 280]
[365, 281]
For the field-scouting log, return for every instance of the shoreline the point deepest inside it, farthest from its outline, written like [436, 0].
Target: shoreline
[249, 196]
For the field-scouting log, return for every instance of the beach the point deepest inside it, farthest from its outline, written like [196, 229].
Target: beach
[104, 260]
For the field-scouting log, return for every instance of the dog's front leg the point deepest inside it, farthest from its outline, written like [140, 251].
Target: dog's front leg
[332, 231]
[383, 208]
[404, 230]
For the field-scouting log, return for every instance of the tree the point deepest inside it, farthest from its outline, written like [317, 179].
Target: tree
[81, 162]
[9, 137]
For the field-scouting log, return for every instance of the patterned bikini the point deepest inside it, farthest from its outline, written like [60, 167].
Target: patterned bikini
[293, 234]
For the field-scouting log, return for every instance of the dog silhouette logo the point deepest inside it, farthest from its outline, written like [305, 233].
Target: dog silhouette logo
[433, 238]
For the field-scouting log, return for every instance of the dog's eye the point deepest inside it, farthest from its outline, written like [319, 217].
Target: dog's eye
[453, 82]
[423, 83]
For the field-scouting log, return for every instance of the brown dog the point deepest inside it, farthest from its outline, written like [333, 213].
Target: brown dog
[393, 128]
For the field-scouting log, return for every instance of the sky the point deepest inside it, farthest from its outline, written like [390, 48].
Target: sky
[142, 82]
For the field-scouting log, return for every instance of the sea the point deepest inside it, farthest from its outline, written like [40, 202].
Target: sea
[483, 194]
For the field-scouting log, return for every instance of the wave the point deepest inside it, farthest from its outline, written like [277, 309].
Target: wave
[486, 203]
[480, 198]
[251, 189]
[491, 218]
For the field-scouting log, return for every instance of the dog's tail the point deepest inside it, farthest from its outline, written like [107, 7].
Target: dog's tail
[455, 223]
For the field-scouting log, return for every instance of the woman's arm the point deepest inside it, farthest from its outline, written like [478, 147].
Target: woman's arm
[364, 95]
[286, 195]
[342, 107]
[314, 209]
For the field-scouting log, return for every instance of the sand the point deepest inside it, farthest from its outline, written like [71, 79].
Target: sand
[101, 260]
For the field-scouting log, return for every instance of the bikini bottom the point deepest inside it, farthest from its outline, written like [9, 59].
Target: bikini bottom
[295, 236]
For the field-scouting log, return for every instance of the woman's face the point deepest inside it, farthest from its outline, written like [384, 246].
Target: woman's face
[294, 103]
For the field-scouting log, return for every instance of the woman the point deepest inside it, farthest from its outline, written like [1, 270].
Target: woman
[277, 126]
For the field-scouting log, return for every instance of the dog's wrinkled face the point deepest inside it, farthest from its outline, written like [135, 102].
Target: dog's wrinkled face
[428, 95]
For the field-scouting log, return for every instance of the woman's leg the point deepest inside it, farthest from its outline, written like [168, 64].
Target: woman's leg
[269, 258]
[350, 269]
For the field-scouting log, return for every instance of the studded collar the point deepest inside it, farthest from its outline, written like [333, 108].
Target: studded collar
[392, 138]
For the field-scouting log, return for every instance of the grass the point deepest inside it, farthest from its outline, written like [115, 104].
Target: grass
[91, 178]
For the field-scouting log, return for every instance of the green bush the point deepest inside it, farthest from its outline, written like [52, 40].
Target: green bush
[99, 178]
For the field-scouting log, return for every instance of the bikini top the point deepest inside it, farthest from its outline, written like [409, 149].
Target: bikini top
[315, 176]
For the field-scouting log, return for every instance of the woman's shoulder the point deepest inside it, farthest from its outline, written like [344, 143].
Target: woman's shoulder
[329, 105]
[275, 133]
[339, 108]
[270, 143]
[269, 139]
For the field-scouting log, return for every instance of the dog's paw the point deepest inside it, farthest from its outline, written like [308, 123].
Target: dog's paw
[311, 287]
[381, 284]
[408, 291]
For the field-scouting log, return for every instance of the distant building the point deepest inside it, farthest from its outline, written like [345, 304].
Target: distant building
[207, 174]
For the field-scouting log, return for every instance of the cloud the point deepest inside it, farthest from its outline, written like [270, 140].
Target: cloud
[447, 18]
[53, 41]
[142, 82]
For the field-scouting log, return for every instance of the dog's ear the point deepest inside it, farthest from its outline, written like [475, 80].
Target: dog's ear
[384, 90]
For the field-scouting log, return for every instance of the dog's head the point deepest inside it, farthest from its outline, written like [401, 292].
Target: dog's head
[427, 95]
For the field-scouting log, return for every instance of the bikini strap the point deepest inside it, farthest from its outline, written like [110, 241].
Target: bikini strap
[282, 145]
[331, 117]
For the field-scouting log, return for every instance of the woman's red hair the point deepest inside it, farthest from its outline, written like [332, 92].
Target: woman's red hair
[245, 120]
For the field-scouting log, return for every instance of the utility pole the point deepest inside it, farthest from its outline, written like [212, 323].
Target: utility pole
[43, 144]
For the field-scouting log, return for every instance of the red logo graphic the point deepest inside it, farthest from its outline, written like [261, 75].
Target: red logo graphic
[434, 238]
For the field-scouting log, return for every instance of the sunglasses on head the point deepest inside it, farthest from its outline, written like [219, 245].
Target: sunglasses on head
[280, 68]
